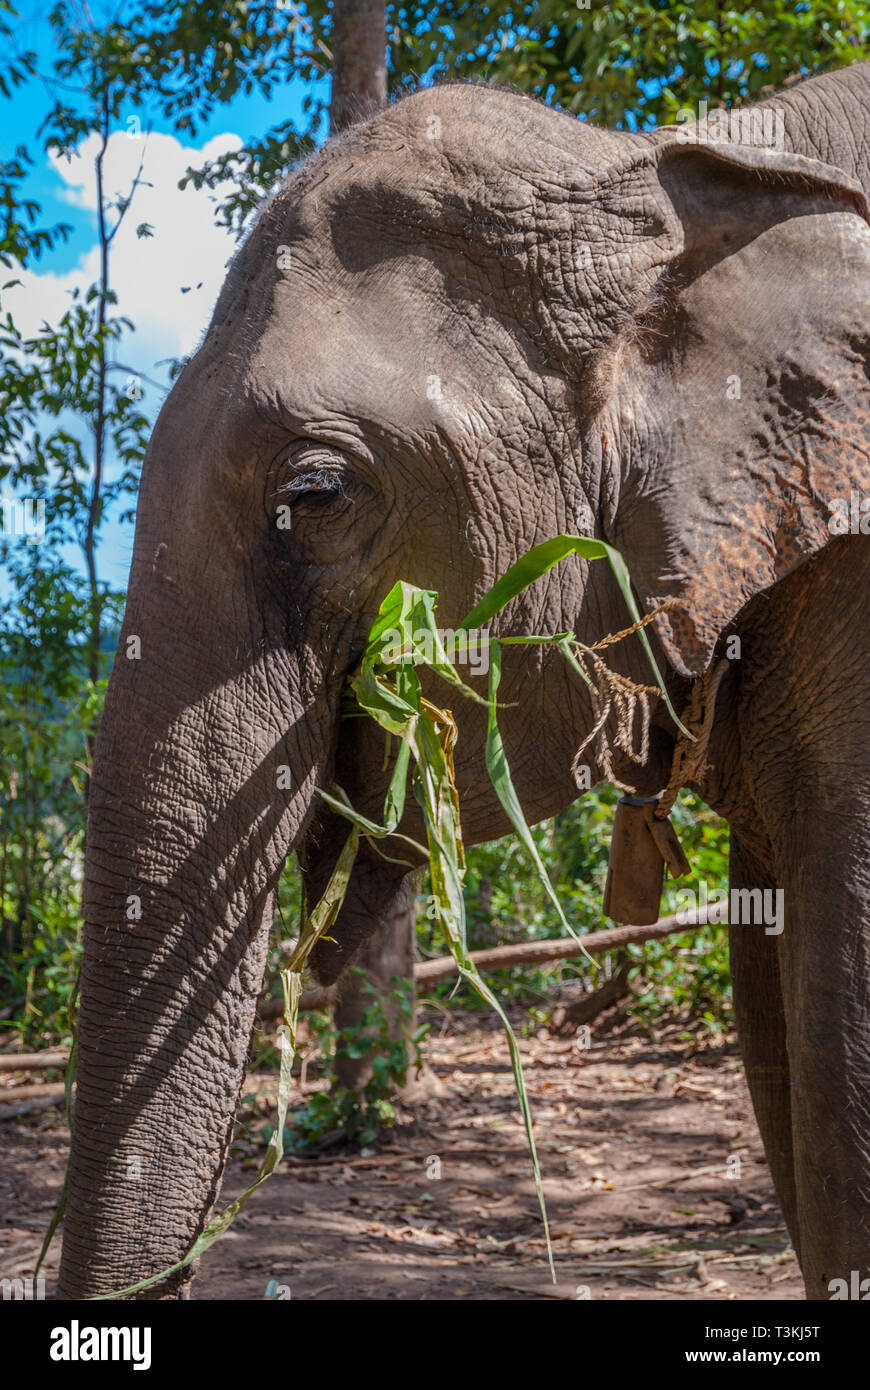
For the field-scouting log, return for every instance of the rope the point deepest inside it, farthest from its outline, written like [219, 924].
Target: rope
[663, 607]
[620, 696]
[617, 695]
[690, 758]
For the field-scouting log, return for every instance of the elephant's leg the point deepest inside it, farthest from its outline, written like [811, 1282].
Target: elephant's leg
[801, 726]
[371, 951]
[382, 975]
[824, 961]
[760, 1017]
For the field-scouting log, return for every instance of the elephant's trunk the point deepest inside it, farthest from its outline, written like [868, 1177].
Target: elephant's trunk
[199, 790]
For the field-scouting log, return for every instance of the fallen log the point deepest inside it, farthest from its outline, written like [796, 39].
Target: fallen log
[524, 953]
[27, 1107]
[564, 948]
[39, 1088]
[441, 968]
[34, 1061]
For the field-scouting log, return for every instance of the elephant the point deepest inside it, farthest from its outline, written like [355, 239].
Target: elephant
[465, 325]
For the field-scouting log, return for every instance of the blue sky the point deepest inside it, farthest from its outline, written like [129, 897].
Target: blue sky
[245, 116]
[187, 249]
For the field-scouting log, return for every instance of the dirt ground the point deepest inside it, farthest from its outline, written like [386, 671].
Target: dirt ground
[654, 1176]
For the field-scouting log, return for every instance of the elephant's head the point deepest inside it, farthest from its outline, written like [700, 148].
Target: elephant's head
[464, 327]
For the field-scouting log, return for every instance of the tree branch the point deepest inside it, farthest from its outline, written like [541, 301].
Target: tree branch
[525, 953]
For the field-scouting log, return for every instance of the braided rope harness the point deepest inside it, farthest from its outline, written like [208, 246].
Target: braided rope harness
[690, 756]
[635, 875]
[615, 694]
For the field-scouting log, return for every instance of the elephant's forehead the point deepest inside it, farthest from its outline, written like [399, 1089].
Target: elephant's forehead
[475, 140]
[371, 347]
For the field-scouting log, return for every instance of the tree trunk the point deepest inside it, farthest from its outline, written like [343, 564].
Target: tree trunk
[359, 61]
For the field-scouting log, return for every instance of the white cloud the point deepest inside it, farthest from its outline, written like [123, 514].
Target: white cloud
[147, 274]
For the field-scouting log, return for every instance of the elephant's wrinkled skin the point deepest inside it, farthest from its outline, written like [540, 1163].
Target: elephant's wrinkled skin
[494, 324]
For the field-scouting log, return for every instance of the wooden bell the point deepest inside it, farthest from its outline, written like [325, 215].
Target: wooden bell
[640, 847]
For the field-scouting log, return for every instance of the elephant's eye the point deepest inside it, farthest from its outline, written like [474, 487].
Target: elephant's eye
[311, 475]
[319, 485]
[311, 499]
[317, 501]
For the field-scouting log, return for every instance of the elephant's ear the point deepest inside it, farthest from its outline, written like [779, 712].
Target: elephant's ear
[732, 382]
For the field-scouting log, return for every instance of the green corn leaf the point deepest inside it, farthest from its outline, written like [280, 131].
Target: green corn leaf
[394, 806]
[410, 612]
[434, 786]
[435, 791]
[337, 801]
[390, 709]
[500, 776]
[395, 613]
[567, 651]
[542, 558]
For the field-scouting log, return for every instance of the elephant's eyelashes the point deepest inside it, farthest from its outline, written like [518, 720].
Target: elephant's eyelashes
[312, 474]
[317, 486]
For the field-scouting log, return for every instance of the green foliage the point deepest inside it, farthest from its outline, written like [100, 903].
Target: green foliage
[71, 442]
[685, 974]
[198, 57]
[359, 1116]
[633, 64]
[689, 974]
[62, 371]
[41, 975]
[21, 238]
[48, 705]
